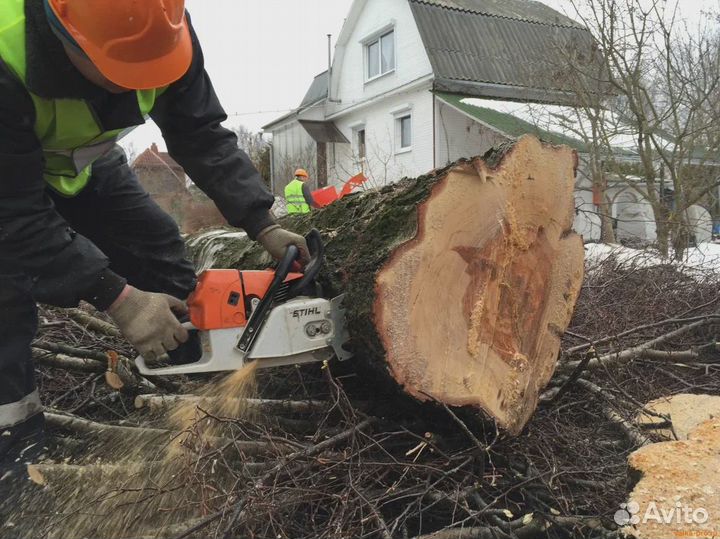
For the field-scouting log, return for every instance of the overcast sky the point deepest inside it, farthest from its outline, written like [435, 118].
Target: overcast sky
[263, 54]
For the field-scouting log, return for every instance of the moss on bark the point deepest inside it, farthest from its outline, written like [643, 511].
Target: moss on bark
[360, 232]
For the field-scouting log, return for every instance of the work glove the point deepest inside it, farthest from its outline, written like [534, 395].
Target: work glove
[147, 321]
[276, 239]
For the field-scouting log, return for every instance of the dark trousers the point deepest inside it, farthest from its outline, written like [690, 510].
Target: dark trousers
[142, 242]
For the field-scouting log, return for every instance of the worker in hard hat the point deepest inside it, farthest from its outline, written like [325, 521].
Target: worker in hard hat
[298, 195]
[75, 224]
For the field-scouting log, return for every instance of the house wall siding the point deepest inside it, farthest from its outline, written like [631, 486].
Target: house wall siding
[587, 221]
[384, 164]
[411, 61]
[292, 148]
[459, 136]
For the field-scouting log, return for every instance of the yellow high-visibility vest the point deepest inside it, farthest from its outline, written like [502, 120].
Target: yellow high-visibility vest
[295, 198]
[67, 129]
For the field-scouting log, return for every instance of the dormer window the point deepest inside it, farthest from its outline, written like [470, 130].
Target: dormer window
[380, 55]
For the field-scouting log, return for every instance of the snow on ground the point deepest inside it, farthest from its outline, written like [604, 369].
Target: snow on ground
[703, 258]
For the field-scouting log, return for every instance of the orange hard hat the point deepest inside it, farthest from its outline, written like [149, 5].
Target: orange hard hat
[301, 172]
[136, 44]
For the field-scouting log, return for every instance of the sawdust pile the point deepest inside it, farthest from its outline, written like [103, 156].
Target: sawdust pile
[678, 493]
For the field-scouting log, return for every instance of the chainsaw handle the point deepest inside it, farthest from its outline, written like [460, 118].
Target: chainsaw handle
[143, 367]
[292, 253]
[317, 254]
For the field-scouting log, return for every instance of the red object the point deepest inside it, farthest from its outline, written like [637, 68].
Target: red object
[223, 298]
[597, 195]
[352, 183]
[326, 196]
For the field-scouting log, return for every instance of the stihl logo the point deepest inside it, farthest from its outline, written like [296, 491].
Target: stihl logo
[301, 313]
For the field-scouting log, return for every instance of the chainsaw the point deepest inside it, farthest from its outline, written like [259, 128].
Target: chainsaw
[271, 317]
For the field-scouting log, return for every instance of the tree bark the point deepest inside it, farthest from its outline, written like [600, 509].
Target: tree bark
[459, 284]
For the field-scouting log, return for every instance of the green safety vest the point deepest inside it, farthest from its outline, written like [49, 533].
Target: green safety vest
[70, 135]
[295, 198]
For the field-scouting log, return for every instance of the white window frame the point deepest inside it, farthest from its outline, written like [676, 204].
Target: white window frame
[356, 128]
[400, 113]
[361, 148]
[376, 37]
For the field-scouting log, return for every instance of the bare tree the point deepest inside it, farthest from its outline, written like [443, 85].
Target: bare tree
[379, 164]
[257, 148]
[646, 107]
[305, 158]
[665, 77]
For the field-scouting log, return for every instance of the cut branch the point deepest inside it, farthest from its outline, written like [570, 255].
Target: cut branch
[162, 402]
[638, 351]
[93, 323]
[628, 428]
[644, 327]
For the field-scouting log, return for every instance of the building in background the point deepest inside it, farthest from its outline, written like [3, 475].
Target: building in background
[417, 84]
[390, 105]
[169, 186]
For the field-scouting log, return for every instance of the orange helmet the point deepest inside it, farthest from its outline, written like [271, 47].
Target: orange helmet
[136, 44]
[301, 172]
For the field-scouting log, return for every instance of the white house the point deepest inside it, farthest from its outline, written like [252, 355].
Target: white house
[417, 84]
[388, 107]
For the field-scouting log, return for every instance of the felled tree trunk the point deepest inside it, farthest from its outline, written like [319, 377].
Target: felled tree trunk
[459, 283]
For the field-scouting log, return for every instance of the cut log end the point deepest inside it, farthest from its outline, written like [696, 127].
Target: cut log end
[470, 311]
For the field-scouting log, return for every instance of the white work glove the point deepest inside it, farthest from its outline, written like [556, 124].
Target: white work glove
[147, 321]
[275, 239]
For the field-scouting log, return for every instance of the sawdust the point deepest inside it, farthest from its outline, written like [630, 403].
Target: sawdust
[87, 499]
[686, 412]
[677, 495]
[198, 420]
[517, 237]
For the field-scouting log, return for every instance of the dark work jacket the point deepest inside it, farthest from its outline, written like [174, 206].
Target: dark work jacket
[34, 239]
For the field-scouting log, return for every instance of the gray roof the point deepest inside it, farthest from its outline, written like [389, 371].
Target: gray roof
[511, 49]
[317, 92]
[522, 10]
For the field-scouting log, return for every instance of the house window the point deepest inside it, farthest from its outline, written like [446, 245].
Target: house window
[380, 55]
[404, 132]
[361, 147]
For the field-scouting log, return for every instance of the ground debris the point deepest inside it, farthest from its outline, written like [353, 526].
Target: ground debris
[360, 464]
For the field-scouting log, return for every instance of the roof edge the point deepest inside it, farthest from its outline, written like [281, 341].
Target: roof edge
[576, 25]
[503, 91]
[281, 119]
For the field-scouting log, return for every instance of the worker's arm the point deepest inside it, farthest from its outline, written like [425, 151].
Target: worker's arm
[34, 239]
[309, 199]
[189, 115]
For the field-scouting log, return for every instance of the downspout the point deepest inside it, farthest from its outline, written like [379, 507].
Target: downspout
[434, 128]
[330, 73]
[329, 93]
[272, 168]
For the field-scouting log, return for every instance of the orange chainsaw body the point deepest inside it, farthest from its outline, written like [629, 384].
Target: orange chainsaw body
[224, 298]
